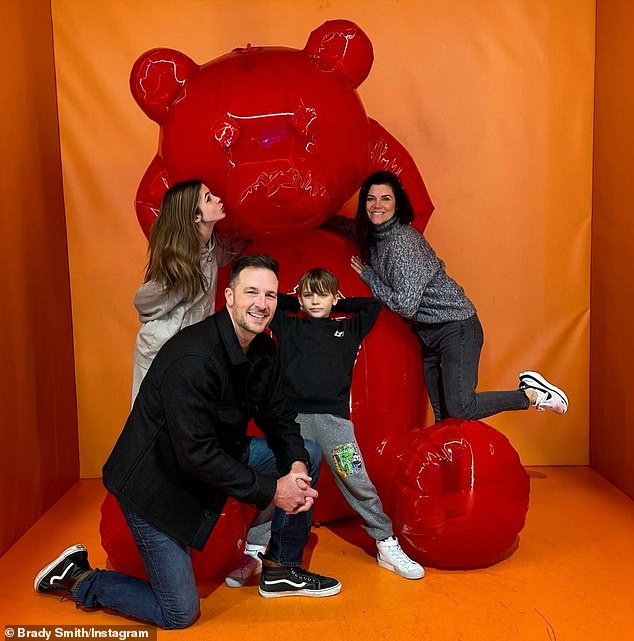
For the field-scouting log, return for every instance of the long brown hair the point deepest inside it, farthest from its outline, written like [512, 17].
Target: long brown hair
[403, 208]
[174, 247]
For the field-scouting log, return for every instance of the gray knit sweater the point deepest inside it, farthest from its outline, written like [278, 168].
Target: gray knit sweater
[410, 279]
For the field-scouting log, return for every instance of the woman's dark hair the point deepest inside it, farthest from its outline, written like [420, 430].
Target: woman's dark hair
[403, 208]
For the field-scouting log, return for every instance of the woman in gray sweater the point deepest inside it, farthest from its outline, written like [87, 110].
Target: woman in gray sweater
[403, 271]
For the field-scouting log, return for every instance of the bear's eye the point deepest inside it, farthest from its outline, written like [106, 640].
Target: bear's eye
[226, 132]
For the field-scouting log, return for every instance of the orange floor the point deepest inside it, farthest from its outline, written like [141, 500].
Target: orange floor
[571, 578]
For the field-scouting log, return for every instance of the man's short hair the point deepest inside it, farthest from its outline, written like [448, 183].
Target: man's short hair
[318, 281]
[259, 261]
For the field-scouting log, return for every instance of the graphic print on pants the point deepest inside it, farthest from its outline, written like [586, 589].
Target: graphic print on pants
[347, 459]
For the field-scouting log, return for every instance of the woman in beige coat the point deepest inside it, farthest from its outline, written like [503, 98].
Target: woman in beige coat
[180, 281]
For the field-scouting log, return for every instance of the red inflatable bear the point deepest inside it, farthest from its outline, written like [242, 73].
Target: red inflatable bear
[282, 137]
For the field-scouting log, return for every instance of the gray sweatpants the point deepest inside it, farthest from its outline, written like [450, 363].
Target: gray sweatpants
[335, 436]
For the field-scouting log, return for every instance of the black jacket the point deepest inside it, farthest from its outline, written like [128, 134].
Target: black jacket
[318, 354]
[183, 448]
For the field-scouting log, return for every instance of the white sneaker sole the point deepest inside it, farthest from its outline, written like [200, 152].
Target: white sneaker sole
[414, 574]
[543, 383]
[233, 582]
[67, 552]
[335, 589]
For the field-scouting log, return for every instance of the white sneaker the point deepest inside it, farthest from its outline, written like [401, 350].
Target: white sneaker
[391, 557]
[250, 565]
[549, 396]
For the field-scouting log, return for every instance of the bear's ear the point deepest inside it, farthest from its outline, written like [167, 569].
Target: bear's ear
[343, 46]
[157, 78]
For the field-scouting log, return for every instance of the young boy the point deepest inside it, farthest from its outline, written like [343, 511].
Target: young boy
[317, 355]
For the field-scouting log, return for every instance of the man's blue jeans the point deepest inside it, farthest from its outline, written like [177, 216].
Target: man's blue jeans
[451, 356]
[169, 598]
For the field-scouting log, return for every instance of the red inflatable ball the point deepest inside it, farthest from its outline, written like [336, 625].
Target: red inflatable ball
[460, 495]
[221, 554]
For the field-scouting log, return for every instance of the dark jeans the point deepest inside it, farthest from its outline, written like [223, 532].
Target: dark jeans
[169, 598]
[451, 355]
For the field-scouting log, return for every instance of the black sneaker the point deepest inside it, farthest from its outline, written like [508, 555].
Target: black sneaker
[277, 581]
[63, 572]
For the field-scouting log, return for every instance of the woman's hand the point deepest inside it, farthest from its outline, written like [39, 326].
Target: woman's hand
[357, 264]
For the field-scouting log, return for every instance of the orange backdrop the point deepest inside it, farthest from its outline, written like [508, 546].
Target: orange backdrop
[493, 99]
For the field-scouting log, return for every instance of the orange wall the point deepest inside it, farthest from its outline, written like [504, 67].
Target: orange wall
[493, 99]
[38, 429]
[611, 414]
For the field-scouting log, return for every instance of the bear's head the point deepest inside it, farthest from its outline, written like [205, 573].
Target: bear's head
[279, 134]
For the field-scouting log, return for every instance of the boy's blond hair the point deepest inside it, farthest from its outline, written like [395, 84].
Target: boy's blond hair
[318, 281]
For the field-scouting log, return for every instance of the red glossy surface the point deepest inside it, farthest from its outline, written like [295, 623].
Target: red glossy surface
[460, 494]
[279, 134]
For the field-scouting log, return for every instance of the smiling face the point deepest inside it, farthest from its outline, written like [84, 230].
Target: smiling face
[317, 305]
[251, 302]
[210, 211]
[380, 204]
